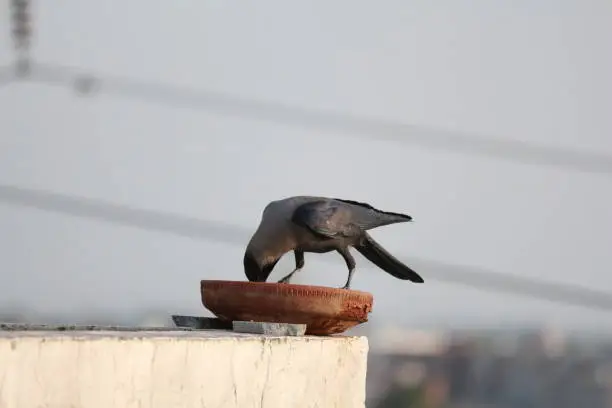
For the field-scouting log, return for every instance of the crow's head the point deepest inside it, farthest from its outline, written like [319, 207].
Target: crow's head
[256, 269]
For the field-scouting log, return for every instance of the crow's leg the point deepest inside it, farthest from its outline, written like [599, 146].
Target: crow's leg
[350, 264]
[299, 264]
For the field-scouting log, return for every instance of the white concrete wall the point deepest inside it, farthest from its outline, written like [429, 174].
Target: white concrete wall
[209, 369]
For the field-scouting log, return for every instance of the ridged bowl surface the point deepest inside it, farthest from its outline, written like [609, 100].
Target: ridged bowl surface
[324, 310]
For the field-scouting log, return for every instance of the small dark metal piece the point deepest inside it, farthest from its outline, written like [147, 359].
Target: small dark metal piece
[199, 323]
[70, 327]
[182, 323]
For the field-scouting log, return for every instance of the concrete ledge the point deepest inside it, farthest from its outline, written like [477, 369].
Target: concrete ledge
[175, 369]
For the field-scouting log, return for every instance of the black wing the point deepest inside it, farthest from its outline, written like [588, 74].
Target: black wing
[327, 219]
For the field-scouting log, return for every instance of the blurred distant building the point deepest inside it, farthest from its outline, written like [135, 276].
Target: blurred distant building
[530, 369]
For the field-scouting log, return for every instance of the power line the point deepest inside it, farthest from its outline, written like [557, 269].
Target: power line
[152, 220]
[7, 75]
[347, 124]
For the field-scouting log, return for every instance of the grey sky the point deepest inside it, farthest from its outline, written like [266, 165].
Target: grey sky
[535, 71]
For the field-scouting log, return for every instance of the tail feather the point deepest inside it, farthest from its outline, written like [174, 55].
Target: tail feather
[387, 262]
[388, 216]
[392, 218]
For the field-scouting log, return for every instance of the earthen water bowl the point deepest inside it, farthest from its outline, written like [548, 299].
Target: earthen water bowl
[324, 310]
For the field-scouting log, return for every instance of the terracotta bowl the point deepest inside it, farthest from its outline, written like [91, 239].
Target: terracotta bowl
[324, 310]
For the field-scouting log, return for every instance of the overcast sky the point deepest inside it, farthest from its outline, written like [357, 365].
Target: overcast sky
[535, 71]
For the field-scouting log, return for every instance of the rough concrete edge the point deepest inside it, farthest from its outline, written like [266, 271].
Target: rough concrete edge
[360, 344]
[209, 335]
